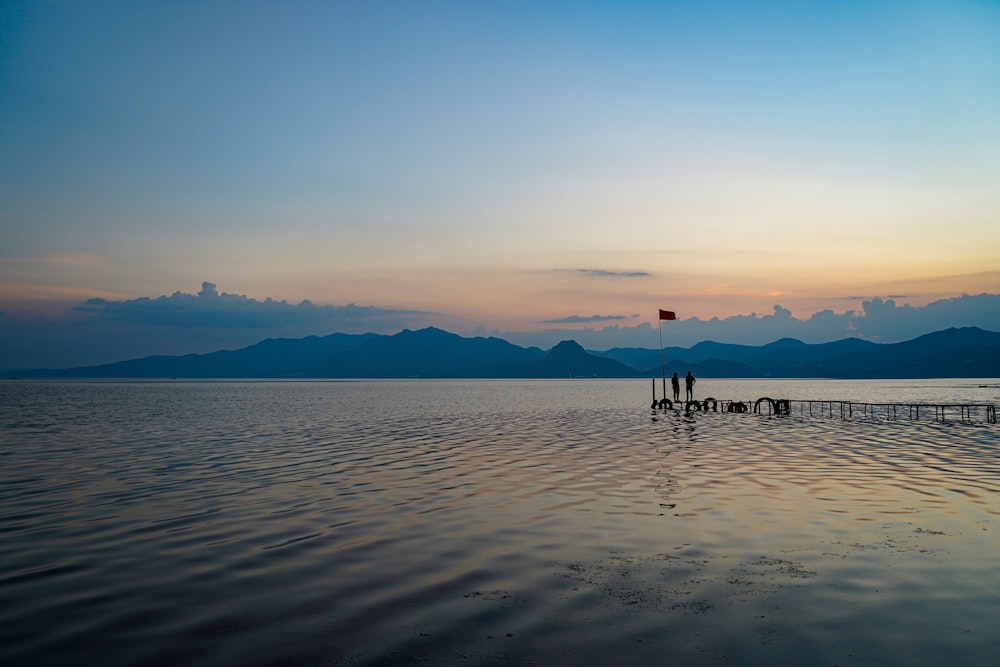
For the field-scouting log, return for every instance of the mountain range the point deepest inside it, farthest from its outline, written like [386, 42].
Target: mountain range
[433, 353]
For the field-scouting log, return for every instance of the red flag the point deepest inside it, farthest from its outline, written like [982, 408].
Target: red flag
[667, 315]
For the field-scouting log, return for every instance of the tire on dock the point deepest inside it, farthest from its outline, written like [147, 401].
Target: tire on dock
[770, 402]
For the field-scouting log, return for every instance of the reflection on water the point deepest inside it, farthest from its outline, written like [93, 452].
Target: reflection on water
[478, 522]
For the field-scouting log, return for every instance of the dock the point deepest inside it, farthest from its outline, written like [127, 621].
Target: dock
[965, 412]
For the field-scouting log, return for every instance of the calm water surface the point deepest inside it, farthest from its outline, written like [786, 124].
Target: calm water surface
[486, 522]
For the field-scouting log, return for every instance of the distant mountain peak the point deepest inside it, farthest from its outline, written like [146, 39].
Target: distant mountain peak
[785, 342]
[568, 348]
[426, 331]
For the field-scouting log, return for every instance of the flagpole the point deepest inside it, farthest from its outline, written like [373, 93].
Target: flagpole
[663, 368]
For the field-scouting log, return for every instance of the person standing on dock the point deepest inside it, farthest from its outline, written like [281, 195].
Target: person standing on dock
[689, 384]
[676, 383]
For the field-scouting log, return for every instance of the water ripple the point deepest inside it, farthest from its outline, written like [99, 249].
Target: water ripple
[384, 523]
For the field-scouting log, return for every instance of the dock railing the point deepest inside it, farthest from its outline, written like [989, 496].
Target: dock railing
[966, 412]
[985, 412]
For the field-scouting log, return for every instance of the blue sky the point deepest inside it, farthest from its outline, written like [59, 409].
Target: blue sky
[534, 170]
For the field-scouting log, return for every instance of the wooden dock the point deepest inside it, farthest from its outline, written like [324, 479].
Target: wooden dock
[965, 412]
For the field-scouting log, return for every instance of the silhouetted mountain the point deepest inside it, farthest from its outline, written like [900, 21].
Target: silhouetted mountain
[783, 352]
[273, 357]
[430, 353]
[568, 359]
[965, 352]
[427, 353]
[433, 353]
[796, 353]
[640, 357]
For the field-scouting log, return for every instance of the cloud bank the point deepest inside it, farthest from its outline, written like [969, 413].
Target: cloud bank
[210, 309]
[602, 273]
[879, 320]
[104, 330]
[582, 319]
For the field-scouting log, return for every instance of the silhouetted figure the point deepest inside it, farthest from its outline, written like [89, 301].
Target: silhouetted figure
[689, 384]
[676, 383]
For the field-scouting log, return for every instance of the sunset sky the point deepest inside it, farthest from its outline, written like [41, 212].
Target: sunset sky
[503, 168]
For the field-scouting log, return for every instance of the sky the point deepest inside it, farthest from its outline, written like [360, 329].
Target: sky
[186, 177]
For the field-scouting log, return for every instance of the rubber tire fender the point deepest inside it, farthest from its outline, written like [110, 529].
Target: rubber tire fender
[756, 406]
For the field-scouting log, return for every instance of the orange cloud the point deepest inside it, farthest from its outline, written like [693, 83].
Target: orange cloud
[30, 292]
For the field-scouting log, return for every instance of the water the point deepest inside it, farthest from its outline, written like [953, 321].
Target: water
[485, 522]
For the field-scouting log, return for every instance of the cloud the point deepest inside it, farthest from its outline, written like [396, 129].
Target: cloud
[106, 329]
[211, 309]
[103, 330]
[884, 320]
[582, 319]
[879, 320]
[77, 259]
[31, 294]
[617, 274]
[73, 259]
